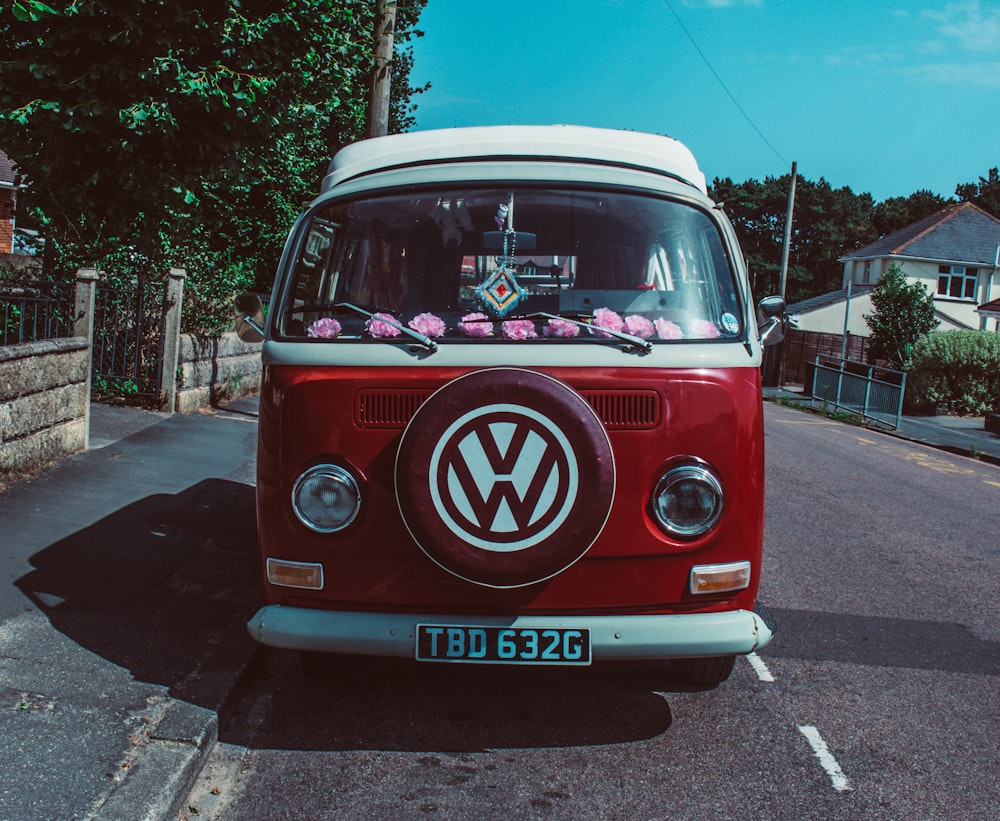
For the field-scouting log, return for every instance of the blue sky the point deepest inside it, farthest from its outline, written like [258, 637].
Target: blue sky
[883, 97]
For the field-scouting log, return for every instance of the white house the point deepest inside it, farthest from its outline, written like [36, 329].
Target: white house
[954, 252]
[991, 311]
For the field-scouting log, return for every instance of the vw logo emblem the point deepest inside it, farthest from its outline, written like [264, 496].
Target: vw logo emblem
[503, 477]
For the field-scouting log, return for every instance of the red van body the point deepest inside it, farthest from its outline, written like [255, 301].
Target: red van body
[511, 408]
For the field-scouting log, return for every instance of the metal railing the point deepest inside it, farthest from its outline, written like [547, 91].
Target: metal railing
[869, 391]
[128, 340]
[31, 311]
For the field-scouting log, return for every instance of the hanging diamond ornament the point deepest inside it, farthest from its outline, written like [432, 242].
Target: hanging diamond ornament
[500, 292]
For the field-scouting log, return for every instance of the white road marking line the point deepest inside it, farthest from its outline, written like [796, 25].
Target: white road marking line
[826, 759]
[759, 667]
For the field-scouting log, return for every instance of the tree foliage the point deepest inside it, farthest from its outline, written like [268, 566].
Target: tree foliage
[173, 132]
[897, 212]
[827, 223]
[903, 312]
[985, 193]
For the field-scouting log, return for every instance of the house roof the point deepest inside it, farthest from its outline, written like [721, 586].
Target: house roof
[826, 300]
[959, 233]
[6, 171]
[990, 308]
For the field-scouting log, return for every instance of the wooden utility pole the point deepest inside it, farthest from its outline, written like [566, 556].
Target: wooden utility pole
[788, 235]
[774, 357]
[378, 105]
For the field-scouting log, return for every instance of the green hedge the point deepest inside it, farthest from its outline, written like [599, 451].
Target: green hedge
[959, 369]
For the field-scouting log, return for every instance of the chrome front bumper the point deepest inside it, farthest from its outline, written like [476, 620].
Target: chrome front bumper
[612, 637]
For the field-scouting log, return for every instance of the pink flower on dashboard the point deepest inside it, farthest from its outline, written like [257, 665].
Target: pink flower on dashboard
[379, 325]
[477, 325]
[665, 329]
[606, 318]
[639, 326]
[325, 328]
[703, 329]
[428, 325]
[518, 329]
[561, 327]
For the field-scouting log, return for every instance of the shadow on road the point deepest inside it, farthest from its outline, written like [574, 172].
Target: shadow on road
[361, 703]
[158, 586]
[883, 642]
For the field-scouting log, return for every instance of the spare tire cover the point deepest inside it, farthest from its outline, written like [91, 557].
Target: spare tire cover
[505, 477]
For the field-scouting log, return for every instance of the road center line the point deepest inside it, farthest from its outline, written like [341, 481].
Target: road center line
[759, 667]
[826, 759]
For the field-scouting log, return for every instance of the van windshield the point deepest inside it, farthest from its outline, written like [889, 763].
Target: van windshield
[502, 264]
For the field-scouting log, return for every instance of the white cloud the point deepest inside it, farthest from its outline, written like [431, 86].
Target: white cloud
[967, 25]
[984, 73]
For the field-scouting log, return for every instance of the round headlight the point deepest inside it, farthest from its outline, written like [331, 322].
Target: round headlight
[687, 501]
[326, 498]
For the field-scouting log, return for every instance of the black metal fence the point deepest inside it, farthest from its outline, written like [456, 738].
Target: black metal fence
[128, 341]
[31, 311]
[128, 331]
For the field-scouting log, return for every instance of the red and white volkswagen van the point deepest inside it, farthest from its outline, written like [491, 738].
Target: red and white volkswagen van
[511, 408]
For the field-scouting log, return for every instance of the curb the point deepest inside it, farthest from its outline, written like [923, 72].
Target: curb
[169, 763]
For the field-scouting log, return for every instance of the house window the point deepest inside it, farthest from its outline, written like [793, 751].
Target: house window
[957, 281]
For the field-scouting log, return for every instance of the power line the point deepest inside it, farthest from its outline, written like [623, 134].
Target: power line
[725, 88]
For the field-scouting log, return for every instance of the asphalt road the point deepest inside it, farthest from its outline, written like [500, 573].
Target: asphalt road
[878, 699]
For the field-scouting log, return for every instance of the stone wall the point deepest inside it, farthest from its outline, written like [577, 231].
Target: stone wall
[44, 403]
[213, 370]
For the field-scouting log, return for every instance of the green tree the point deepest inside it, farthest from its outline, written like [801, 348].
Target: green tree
[897, 212]
[827, 223]
[172, 132]
[903, 312]
[985, 193]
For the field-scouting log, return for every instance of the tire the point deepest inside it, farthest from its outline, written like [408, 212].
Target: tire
[703, 672]
[505, 477]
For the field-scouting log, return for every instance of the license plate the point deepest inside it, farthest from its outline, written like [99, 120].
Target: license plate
[503, 645]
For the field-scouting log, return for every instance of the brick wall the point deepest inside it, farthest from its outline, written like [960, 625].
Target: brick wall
[6, 221]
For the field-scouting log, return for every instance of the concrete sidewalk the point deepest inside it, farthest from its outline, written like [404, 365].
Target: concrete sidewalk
[963, 435]
[129, 573]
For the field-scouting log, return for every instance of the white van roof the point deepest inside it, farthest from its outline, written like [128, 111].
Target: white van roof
[603, 146]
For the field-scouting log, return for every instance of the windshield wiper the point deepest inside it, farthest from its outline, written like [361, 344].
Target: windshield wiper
[637, 342]
[420, 338]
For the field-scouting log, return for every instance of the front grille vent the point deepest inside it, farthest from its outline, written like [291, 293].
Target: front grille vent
[625, 410]
[618, 410]
[387, 408]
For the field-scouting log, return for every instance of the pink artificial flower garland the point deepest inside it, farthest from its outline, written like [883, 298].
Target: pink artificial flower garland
[324, 328]
[378, 326]
[476, 325]
[639, 326]
[703, 329]
[428, 324]
[665, 329]
[561, 328]
[606, 318]
[518, 329]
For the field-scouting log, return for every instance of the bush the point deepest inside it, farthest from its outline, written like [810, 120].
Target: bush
[960, 369]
